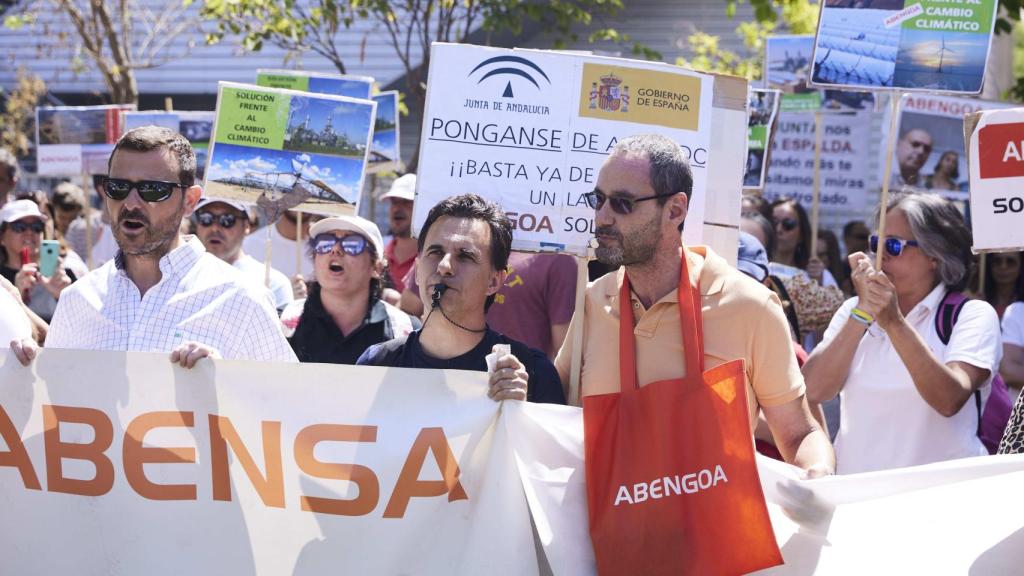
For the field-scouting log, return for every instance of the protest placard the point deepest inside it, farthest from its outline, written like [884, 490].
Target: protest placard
[762, 111]
[929, 152]
[925, 45]
[386, 152]
[997, 179]
[319, 82]
[530, 130]
[76, 140]
[787, 60]
[845, 163]
[283, 149]
[196, 127]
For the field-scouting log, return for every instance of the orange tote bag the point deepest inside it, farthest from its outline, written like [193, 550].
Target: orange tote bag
[672, 485]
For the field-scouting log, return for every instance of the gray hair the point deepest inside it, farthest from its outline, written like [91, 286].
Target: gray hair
[941, 233]
[670, 170]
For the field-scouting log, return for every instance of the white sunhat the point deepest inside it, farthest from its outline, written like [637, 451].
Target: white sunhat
[352, 224]
[404, 188]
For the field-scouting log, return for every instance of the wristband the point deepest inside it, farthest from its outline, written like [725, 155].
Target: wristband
[862, 317]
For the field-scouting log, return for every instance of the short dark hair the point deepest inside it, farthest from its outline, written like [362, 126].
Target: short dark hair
[10, 163]
[670, 171]
[149, 138]
[474, 207]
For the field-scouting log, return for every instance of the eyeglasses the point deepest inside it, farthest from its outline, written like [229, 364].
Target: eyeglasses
[36, 226]
[149, 190]
[353, 244]
[206, 219]
[894, 246]
[788, 224]
[619, 204]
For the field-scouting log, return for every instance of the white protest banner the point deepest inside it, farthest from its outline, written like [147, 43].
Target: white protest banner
[386, 151]
[530, 129]
[196, 127]
[283, 149]
[956, 517]
[929, 152]
[320, 82]
[76, 140]
[126, 464]
[922, 45]
[997, 180]
[762, 112]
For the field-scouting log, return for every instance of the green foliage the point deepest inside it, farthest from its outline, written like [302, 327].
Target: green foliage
[19, 112]
[797, 17]
[411, 25]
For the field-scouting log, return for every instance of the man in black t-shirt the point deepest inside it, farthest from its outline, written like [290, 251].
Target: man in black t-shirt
[463, 254]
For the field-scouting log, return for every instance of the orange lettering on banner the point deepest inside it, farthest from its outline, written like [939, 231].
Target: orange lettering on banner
[271, 488]
[363, 477]
[135, 455]
[16, 455]
[409, 485]
[93, 452]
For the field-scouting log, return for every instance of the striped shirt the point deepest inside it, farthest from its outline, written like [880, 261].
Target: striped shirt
[199, 298]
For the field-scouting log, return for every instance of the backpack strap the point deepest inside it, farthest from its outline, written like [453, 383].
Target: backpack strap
[945, 319]
[947, 315]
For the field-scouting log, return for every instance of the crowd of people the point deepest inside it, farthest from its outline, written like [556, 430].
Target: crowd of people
[177, 272]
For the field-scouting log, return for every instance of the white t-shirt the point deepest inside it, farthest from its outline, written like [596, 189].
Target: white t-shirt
[1013, 324]
[13, 321]
[784, 272]
[282, 256]
[280, 287]
[885, 422]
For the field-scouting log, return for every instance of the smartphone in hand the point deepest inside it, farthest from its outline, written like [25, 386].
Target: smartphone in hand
[49, 254]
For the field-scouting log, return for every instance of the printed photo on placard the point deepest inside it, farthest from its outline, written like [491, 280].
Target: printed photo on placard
[787, 67]
[283, 149]
[929, 152]
[385, 153]
[76, 140]
[762, 109]
[926, 45]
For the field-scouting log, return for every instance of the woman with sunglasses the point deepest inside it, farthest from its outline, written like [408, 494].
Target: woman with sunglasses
[908, 393]
[343, 314]
[22, 227]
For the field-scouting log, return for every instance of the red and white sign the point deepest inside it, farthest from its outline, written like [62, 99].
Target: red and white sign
[997, 180]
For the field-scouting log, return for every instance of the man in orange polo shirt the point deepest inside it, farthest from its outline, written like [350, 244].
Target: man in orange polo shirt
[641, 201]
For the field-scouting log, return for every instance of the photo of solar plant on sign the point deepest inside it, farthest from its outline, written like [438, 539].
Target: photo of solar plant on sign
[927, 45]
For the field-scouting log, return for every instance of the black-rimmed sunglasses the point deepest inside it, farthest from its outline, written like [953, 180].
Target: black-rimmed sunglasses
[788, 224]
[353, 244]
[36, 226]
[894, 246]
[206, 219]
[620, 205]
[149, 190]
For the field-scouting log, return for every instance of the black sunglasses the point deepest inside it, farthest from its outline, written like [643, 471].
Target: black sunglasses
[894, 246]
[619, 204]
[788, 224]
[36, 226]
[206, 219]
[353, 244]
[149, 190]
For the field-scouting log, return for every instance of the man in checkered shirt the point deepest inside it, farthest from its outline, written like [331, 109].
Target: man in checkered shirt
[163, 291]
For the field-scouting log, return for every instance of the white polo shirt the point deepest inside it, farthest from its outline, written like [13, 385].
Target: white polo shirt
[885, 421]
